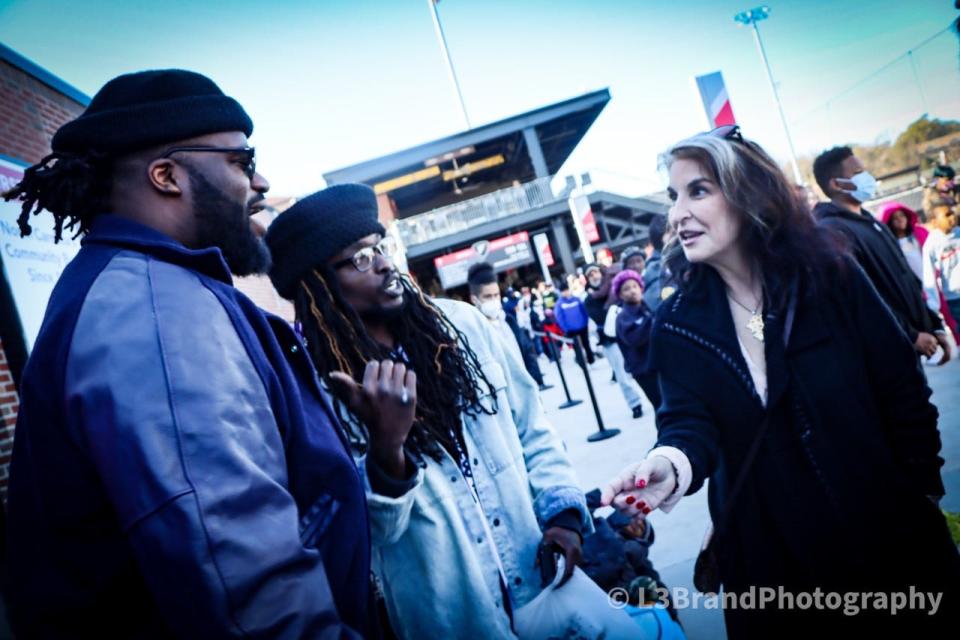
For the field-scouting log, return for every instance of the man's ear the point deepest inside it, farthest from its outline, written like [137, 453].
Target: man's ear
[164, 177]
[838, 184]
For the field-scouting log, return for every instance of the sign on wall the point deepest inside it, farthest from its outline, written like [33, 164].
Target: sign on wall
[503, 253]
[33, 264]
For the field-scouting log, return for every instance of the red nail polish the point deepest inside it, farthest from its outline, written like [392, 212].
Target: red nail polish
[641, 483]
[641, 505]
[630, 500]
[647, 510]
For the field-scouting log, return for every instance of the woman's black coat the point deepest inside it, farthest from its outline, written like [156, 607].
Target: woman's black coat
[837, 496]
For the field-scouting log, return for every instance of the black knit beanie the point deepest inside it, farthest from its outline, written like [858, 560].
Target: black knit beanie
[139, 110]
[317, 228]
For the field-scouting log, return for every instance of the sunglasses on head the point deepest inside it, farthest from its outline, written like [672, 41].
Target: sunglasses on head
[728, 132]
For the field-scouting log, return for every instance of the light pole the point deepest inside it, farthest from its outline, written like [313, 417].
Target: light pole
[751, 18]
[446, 56]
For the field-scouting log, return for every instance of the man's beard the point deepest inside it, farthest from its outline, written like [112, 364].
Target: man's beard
[225, 224]
[383, 314]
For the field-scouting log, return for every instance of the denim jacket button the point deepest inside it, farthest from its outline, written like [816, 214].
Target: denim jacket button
[453, 478]
[496, 522]
[479, 540]
[518, 581]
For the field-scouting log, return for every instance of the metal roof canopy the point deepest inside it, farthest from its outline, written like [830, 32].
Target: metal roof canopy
[556, 129]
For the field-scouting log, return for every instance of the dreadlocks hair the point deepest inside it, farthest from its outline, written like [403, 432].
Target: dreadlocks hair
[448, 371]
[73, 187]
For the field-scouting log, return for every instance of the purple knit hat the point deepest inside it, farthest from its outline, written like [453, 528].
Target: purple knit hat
[623, 276]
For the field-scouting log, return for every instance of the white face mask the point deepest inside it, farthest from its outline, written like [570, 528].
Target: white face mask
[491, 308]
[866, 186]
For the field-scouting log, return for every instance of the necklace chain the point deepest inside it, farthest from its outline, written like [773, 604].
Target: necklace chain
[745, 307]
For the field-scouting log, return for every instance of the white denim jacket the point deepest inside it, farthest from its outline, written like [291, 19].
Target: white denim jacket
[431, 550]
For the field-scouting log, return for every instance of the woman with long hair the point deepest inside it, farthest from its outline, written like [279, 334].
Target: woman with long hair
[787, 382]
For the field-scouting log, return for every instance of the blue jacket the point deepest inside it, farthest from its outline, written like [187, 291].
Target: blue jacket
[571, 314]
[176, 468]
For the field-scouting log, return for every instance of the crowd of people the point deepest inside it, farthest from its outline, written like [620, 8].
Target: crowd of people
[188, 465]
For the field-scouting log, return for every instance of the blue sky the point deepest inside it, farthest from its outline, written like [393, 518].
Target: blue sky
[334, 82]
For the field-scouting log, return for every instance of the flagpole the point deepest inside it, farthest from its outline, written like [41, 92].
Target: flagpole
[446, 55]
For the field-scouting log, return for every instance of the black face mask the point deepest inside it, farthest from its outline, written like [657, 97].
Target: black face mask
[225, 224]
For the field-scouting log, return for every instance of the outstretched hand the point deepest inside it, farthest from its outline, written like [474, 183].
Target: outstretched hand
[386, 402]
[641, 488]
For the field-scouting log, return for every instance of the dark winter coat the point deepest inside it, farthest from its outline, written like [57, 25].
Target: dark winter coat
[634, 324]
[875, 248]
[837, 496]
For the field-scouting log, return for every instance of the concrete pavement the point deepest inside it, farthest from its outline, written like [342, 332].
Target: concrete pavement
[680, 533]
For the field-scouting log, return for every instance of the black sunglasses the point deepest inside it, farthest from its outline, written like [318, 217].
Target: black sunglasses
[249, 155]
[728, 132]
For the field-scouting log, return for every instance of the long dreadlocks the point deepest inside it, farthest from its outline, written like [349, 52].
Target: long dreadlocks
[448, 370]
[73, 187]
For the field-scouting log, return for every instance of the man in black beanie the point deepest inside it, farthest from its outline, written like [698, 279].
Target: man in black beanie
[176, 470]
[463, 492]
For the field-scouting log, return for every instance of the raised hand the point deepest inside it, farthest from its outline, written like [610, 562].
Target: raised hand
[386, 402]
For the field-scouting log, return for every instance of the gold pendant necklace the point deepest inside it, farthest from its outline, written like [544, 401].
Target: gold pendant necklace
[755, 323]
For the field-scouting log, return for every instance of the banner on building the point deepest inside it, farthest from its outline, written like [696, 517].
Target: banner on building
[716, 101]
[503, 253]
[545, 253]
[584, 223]
[33, 264]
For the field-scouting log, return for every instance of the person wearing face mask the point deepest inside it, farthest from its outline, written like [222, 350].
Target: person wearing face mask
[787, 382]
[844, 179]
[485, 296]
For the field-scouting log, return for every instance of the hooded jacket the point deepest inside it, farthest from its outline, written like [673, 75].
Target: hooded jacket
[177, 470]
[913, 220]
[876, 249]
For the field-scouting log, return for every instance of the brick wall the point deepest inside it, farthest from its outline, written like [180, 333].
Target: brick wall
[9, 404]
[30, 113]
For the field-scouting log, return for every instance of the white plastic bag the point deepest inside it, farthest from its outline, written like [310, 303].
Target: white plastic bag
[610, 323]
[579, 610]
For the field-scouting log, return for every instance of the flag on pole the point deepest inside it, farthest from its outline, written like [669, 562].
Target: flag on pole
[716, 102]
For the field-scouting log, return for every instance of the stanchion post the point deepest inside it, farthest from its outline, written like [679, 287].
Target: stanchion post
[602, 433]
[563, 379]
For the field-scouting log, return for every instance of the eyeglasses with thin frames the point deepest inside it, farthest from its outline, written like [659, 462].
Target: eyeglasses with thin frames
[249, 154]
[362, 260]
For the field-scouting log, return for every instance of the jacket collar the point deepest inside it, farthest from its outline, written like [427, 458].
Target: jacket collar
[830, 210]
[707, 314]
[111, 230]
